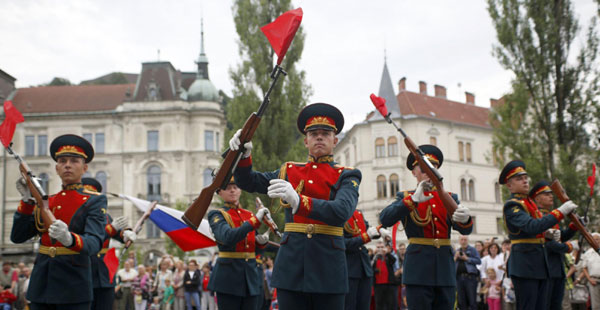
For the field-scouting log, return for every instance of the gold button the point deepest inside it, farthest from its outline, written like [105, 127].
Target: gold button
[340, 171]
[84, 198]
[436, 218]
[290, 166]
[433, 205]
[63, 193]
[314, 166]
[247, 246]
[58, 207]
[437, 231]
[239, 211]
[310, 181]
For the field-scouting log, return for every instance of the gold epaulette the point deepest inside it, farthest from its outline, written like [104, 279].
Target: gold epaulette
[337, 166]
[91, 192]
[227, 218]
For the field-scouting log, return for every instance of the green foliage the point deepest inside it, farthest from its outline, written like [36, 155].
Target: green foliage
[277, 139]
[170, 246]
[550, 118]
[110, 79]
[58, 81]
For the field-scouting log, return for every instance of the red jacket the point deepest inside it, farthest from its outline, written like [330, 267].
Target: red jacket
[7, 297]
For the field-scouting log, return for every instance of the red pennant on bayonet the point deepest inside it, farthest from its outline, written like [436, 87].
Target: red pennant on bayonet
[112, 263]
[12, 117]
[282, 30]
[592, 179]
[379, 104]
[394, 232]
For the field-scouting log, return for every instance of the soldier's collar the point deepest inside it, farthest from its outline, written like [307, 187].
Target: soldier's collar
[71, 187]
[519, 195]
[322, 159]
[232, 205]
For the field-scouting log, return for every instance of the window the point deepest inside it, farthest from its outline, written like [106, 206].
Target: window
[463, 189]
[379, 148]
[500, 226]
[44, 180]
[497, 192]
[217, 142]
[88, 137]
[29, 145]
[392, 146]
[153, 179]
[87, 174]
[207, 177]
[474, 219]
[381, 187]
[394, 184]
[433, 141]
[42, 145]
[471, 190]
[209, 140]
[99, 147]
[461, 151]
[152, 231]
[101, 178]
[153, 140]
[468, 144]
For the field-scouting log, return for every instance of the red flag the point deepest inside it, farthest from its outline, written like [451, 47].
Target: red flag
[379, 104]
[592, 179]
[282, 30]
[12, 117]
[394, 231]
[112, 263]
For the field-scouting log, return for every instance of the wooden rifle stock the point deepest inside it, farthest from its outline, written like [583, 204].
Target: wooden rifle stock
[40, 197]
[267, 219]
[433, 175]
[560, 193]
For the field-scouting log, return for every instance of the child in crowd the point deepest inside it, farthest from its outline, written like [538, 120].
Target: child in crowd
[155, 303]
[168, 295]
[493, 288]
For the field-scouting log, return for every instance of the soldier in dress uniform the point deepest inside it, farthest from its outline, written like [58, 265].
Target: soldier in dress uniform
[318, 196]
[62, 275]
[557, 245]
[104, 288]
[235, 277]
[357, 233]
[528, 263]
[429, 269]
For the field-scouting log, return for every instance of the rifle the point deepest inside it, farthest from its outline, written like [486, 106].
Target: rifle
[196, 211]
[434, 175]
[38, 193]
[560, 193]
[580, 239]
[138, 227]
[267, 219]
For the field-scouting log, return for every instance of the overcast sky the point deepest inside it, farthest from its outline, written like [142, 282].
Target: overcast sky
[440, 42]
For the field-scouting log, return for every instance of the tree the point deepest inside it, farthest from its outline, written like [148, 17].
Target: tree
[277, 139]
[58, 81]
[546, 118]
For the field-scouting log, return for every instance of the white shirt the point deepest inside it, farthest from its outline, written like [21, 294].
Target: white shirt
[489, 262]
[127, 276]
[591, 260]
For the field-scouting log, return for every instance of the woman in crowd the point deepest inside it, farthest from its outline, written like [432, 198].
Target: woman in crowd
[179, 303]
[191, 280]
[141, 288]
[161, 275]
[494, 260]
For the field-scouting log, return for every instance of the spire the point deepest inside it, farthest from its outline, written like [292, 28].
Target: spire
[202, 89]
[386, 90]
[202, 59]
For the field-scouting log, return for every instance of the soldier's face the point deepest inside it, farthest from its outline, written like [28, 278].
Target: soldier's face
[545, 200]
[70, 169]
[320, 142]
[231, 194]
[518, 184]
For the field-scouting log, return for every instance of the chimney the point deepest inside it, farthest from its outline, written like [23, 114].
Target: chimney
[402, 84]
[440, 91]
[493, 102]
[470, 98]
[422, 88]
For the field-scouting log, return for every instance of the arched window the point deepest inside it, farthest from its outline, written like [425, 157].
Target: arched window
[44, 180]
[461, 151]
[463, 189]
[101, 178]
[468, 146]
[392, 146]
[381, 187]
[471, 190]
[497, 192]
[394, 184]
[153, 180]
[379, 147]
[207, 177]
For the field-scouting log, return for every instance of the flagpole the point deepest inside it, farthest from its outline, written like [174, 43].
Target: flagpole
[3, 193]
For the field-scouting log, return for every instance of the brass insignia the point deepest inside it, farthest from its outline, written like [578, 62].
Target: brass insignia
[103, 210]
[216, 220]
[515, 209]
[354, 183]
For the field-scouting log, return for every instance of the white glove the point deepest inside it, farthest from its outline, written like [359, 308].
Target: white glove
[373, 233]
[129, 235]
[567, 207]
[461, 215]
[261, 214]
[385, 233]
[120, 223]
[556, 235]
[60, 231]
[575, 245]
[263, 238]
[419, 195]
[283, 189]
[24, 190]
[549, 234]
[234, 144]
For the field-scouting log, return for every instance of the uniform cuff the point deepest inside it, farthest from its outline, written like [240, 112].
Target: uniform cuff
[25, 208]
[365, 237]
[467, 225]
[245, 162]
[254, 222]
[305, 206]
[573, 227]
[77, 243]
[110, 230]
[409, 203]
[570, 247]
[557, 214]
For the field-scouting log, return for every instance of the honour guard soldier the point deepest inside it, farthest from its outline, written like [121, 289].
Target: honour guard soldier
[62, 275]
[235, 277]
[528, 263]
[357, 233]
[556, 245]
[104, 288]
[429, 268]
[319, 196]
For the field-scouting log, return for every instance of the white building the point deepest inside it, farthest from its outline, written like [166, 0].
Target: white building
[460, 129]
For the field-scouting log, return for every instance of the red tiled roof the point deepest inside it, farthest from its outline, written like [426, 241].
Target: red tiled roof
[79, 98]
[440, 108]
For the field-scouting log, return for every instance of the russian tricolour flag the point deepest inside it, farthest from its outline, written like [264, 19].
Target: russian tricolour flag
[168, 220]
